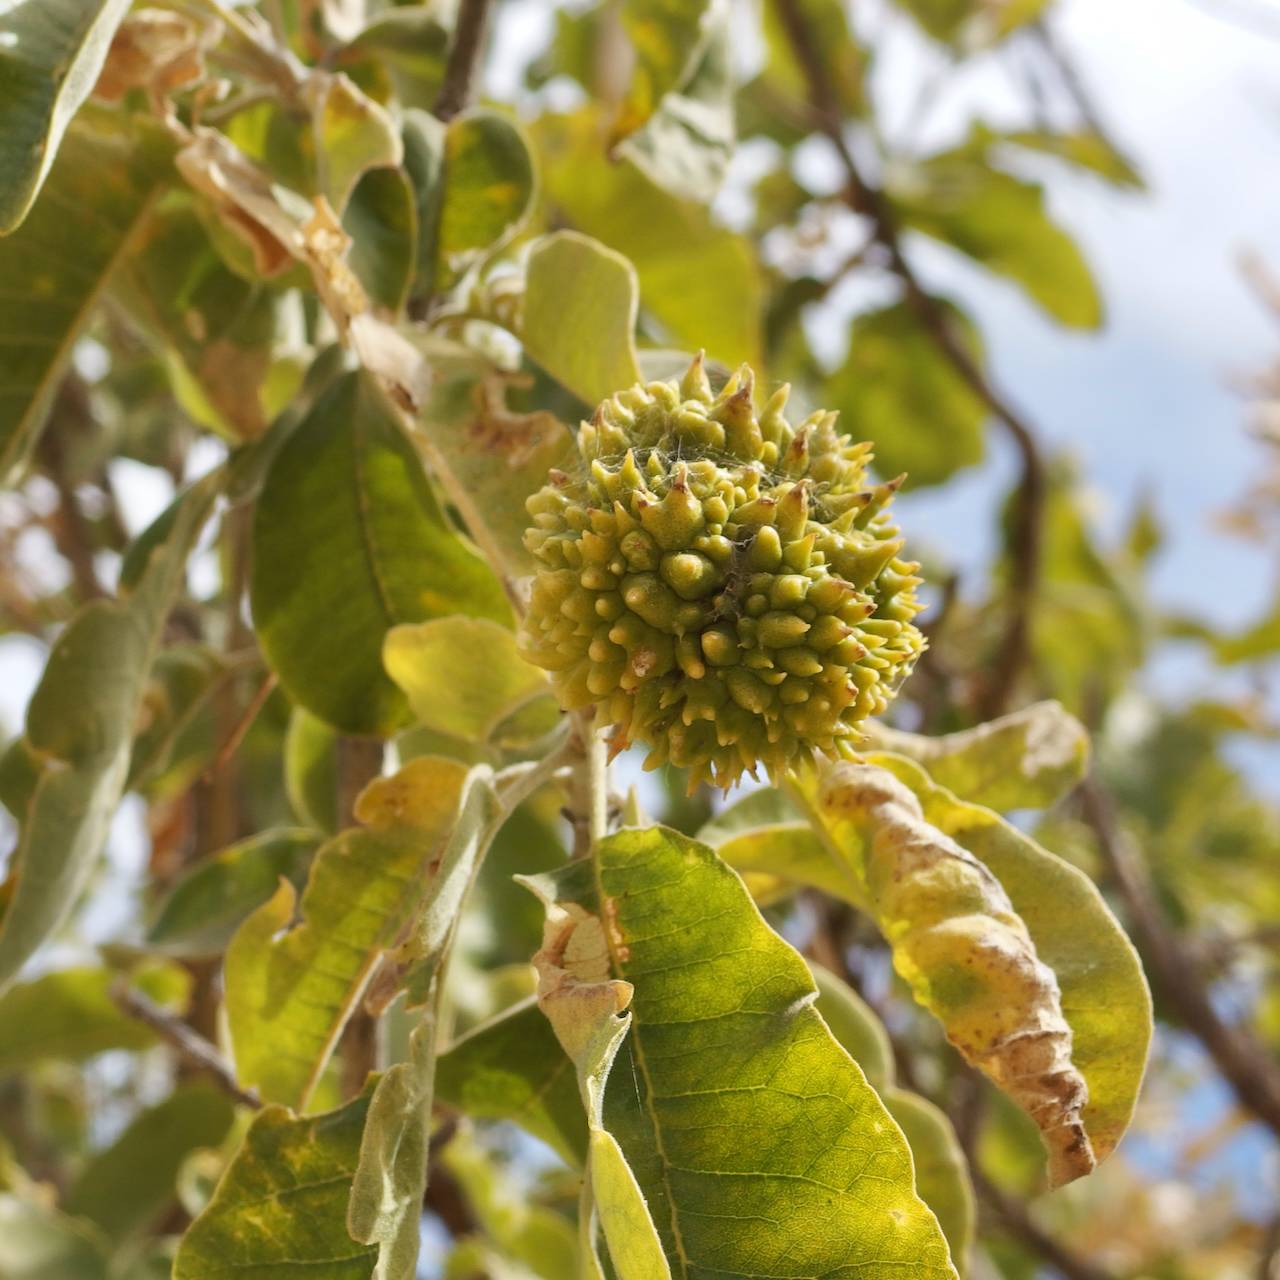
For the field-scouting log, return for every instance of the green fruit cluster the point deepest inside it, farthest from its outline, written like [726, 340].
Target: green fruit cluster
[725, 587]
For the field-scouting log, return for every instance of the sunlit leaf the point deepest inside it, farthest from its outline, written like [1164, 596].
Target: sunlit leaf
[290, 990]
[70, 1014]
[698, 279]
[55, 268]
[80, 721]
[843, 58]
[855, 1026]
[1103, 994]
[1001, 222]
[747, 1126]
[201, 912]
[126, 1187]
[349, 541]
[280, 1208]
[51, 55]
[1084, 149]
[580, 313]
[401, 51]
[1028, 759]
[386, 1195]
[896, 389]
[462, 676]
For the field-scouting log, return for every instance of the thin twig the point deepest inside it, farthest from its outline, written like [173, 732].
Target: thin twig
[189, 1043]
[1245, 1064]
[1026, 538]
[464, 59]
[589, 784]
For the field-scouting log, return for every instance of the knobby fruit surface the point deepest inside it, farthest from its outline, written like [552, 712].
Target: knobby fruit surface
[724, 587]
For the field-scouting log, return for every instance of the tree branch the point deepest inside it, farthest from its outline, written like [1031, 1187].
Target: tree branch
[189, 1043]
[464, 59]
[1245, 1064]
[1027, 534]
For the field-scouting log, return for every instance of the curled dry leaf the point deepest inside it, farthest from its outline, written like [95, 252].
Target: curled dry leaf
[156, 50]
[575, 989]
[968, 956]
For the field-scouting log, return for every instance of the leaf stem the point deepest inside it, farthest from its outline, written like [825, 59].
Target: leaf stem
[589, 784]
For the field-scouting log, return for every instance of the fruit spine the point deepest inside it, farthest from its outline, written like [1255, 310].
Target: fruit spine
[725, 587]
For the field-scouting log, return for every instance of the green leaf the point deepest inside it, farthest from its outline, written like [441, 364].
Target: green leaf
[70, 1014]
[1084, 149]
[700, 281]
[580, 315]
[942, 1172]
[499, 457]
[747, 1126]
[1104, 992]
[513, 1068]
[1000, 222]
[382, 221]
[685, 146]
[124, 1189]
[668, 37]
[401, 53]
[1028, 759]
[851, 1021]
[348, 541]
[311, 770]
[54, 270]
[843, 58]
[462, 676]
[353, 135]
[424, 151]
[290, 990]
[50, 58]
[765, 837]
[899, 391]
[280, 1208]
[488, 190]
[80, 721]
[386, 1196]
[38, 1243]
[201, 912]
[1258, 641]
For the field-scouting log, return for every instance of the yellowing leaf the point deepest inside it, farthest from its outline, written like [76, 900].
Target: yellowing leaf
[280, 1207]
[580, 314]
[462, 676]
[1104, 994]
[353, 134]
[1028, 759]
[290, 990]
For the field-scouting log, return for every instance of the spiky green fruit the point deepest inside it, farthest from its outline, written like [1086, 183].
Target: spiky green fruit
[725, 587]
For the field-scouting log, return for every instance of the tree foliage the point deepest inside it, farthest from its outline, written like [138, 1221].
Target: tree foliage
[366, 327]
